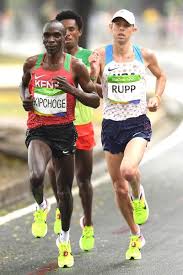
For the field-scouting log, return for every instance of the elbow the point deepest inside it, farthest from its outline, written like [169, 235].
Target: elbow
[97, 103]
[96, 106]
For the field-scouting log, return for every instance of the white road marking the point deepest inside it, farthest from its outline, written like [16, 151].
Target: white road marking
[31, 208]
[166, 144]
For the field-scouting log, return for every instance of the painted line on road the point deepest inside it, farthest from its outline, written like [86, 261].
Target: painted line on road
[31, 208]
[172, 140]
[166, 144]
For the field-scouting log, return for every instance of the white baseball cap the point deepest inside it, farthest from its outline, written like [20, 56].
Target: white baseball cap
[125, 14]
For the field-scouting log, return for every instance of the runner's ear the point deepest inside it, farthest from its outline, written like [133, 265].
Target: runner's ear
[135, 29]
[80, 33]
[110, 27]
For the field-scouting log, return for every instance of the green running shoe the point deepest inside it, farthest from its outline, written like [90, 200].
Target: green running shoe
[58, 222]
[140, 209]
[39, 226]
[65, 257]
[133, 251]
[87, 240]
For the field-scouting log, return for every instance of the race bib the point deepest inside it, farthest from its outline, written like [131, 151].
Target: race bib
[48, 102]
[125, 88]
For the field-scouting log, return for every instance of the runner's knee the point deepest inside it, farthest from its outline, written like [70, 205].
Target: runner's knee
[83, 181]
[64, 195]
[128, 173]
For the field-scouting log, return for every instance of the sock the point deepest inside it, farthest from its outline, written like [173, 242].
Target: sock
[141, 193]
[137, 233]
[64, 236]
[43, 205]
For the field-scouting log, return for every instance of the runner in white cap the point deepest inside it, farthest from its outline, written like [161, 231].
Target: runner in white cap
[126, 129]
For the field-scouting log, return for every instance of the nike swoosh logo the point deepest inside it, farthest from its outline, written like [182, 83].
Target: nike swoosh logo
[39, 76]
[65, 152]
[136, 134]
[112, 69]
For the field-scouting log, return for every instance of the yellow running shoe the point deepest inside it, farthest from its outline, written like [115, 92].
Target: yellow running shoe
[133, 251]
[87, 240]
[58, 222]
[39, 226]
[65, 257]
[140, 209]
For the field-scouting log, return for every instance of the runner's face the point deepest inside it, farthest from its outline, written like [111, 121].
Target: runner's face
[53, 37]
[72, 33]
[121, 30]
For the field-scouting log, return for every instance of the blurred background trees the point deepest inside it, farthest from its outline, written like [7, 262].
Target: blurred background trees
[22, 20]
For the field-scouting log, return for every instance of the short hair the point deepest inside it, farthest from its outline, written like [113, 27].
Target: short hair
[69, 14]
[54, 21]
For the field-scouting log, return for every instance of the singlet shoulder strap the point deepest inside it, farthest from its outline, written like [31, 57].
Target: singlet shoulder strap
[39, 60]
[138, 53]
[108, 54]
[67, 62]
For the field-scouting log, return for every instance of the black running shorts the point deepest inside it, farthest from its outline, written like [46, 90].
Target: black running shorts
[60, 138]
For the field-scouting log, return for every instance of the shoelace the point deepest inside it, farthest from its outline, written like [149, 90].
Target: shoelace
[87, 232]
[137, 207]
[64, 249]
[133, 241]
[39, 215]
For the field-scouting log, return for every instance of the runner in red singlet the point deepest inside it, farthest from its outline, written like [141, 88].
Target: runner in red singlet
[49, 93]
[73, 24]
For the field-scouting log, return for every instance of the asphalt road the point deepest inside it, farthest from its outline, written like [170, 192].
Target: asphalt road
[162, 178]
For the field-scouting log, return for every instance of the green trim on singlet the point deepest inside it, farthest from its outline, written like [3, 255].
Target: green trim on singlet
[39, 60]
[48, 91]
[83, 54]
[83, 113]
[67, 62]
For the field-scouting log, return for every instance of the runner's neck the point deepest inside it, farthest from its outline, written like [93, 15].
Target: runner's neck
[74, 50]
[123, 52]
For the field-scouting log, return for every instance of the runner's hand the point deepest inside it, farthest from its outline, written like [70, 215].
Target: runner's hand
[153, 104]
[61, 83]
[94, 61]
[27, 103]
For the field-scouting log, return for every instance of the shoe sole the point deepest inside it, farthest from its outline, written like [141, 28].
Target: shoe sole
[66, 266]
[133, 258]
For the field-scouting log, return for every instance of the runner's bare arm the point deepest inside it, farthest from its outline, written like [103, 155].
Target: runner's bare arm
[25, 96]
[96, 68]
[87, 95]
[153, 65]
